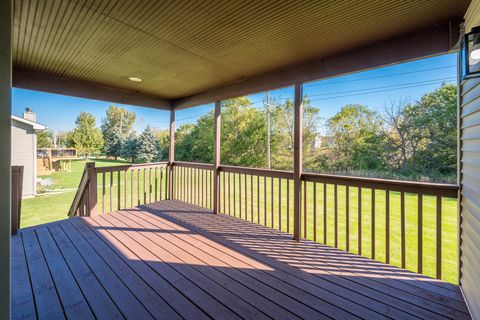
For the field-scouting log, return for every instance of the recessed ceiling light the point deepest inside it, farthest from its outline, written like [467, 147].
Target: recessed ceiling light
[135, 79]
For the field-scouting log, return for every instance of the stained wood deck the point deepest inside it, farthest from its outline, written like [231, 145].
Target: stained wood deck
[172, 260]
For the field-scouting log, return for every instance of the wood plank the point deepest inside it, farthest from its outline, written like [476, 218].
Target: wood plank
[73, 302]
[102, 305]
[157, 307]
[46, 298]
[23, 305]
[147, 270]
[365, 280]
[189, 269]
[116, 288]
[185, 284]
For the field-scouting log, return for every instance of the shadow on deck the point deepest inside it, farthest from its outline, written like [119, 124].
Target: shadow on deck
[173, 260]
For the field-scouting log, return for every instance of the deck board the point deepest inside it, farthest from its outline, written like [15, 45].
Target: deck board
[174, 260]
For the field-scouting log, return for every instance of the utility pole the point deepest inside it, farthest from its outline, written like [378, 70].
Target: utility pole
[267, 104]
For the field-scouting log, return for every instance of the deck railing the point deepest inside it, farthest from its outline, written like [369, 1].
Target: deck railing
[376, 218]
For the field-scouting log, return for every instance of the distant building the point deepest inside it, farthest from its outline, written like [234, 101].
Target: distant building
[24, 148]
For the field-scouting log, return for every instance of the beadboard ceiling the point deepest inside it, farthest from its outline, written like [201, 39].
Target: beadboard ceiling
[184, 47]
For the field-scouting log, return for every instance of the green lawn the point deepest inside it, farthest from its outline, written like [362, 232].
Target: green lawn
[55, 207]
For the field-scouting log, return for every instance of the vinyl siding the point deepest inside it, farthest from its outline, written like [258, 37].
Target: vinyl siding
[24, 154]
[470, 192]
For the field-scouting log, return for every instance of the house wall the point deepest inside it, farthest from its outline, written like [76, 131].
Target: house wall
[469, 101]
[24, 154]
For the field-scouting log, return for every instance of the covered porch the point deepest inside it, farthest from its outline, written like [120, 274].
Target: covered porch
[193, 240]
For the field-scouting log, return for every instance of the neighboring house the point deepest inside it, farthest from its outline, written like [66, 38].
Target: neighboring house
[24, 148]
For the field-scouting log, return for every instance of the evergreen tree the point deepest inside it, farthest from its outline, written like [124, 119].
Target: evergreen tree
[113, 142]
[116, 126]
[130, 147]
[148, 146]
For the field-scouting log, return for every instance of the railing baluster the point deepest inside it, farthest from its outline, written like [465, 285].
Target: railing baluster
[138, 186]
[402, 227]
[347, 218]
[251, 198]
[373, 224]
[111, 191]
[314, 211]
[335, 206]
[387, 226]
[420, 233]
[439, 237]
[359, 220]
[118, 190]
[272, 207]
[258, 199]
[125, 188]
[223, 177]
[325, 214]
[103, 192]
[246, 198]
[240, 194]
[279, 204]
[202, 188]
[229, 195]
[156, 185]
[150, 185]
[198, 186]
[161, 183]
[234, 196]
[305, 226]
[144, 186]
[265, 200]
[288, 205]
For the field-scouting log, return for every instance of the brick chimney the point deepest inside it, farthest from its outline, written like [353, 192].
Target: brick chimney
[29, 115]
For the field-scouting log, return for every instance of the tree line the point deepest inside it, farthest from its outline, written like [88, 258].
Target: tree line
[406, 139]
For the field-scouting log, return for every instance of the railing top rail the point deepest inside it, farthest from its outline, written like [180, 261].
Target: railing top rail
[257, 171]
[197, 165]
[429, 188]
[130, 166]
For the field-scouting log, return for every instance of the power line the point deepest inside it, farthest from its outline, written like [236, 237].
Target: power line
[319, 82]
[378, 91]
[385, 87]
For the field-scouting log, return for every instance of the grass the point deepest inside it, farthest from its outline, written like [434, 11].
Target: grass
[55, 207]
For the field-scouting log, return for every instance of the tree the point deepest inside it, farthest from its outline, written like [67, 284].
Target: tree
[86, 137]
[357, 139]
[45, 139]
[130, 147]
[148, 146]
[113, 142]
[116, 126]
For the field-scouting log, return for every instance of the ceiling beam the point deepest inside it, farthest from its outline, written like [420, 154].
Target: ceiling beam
[435, 40]
[41, 82]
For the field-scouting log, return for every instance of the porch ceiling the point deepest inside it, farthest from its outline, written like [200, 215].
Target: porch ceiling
[183, 48]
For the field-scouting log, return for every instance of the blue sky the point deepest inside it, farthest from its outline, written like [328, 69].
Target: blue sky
[373, 88]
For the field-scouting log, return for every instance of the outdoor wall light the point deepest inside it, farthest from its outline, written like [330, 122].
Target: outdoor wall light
[470, 54]
[135, 79]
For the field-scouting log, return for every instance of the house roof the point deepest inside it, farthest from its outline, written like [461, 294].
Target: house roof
[181, 49]
[35, 125]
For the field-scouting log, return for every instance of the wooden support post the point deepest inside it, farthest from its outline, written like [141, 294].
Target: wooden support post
[17, 187]
[171, 154]
[92, 188]
[297, 163]
[216, 157]
[6, 28]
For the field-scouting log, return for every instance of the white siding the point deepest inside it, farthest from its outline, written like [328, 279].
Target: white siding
[24, 154]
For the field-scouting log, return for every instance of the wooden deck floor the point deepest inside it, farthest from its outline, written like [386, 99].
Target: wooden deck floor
[174, 260]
